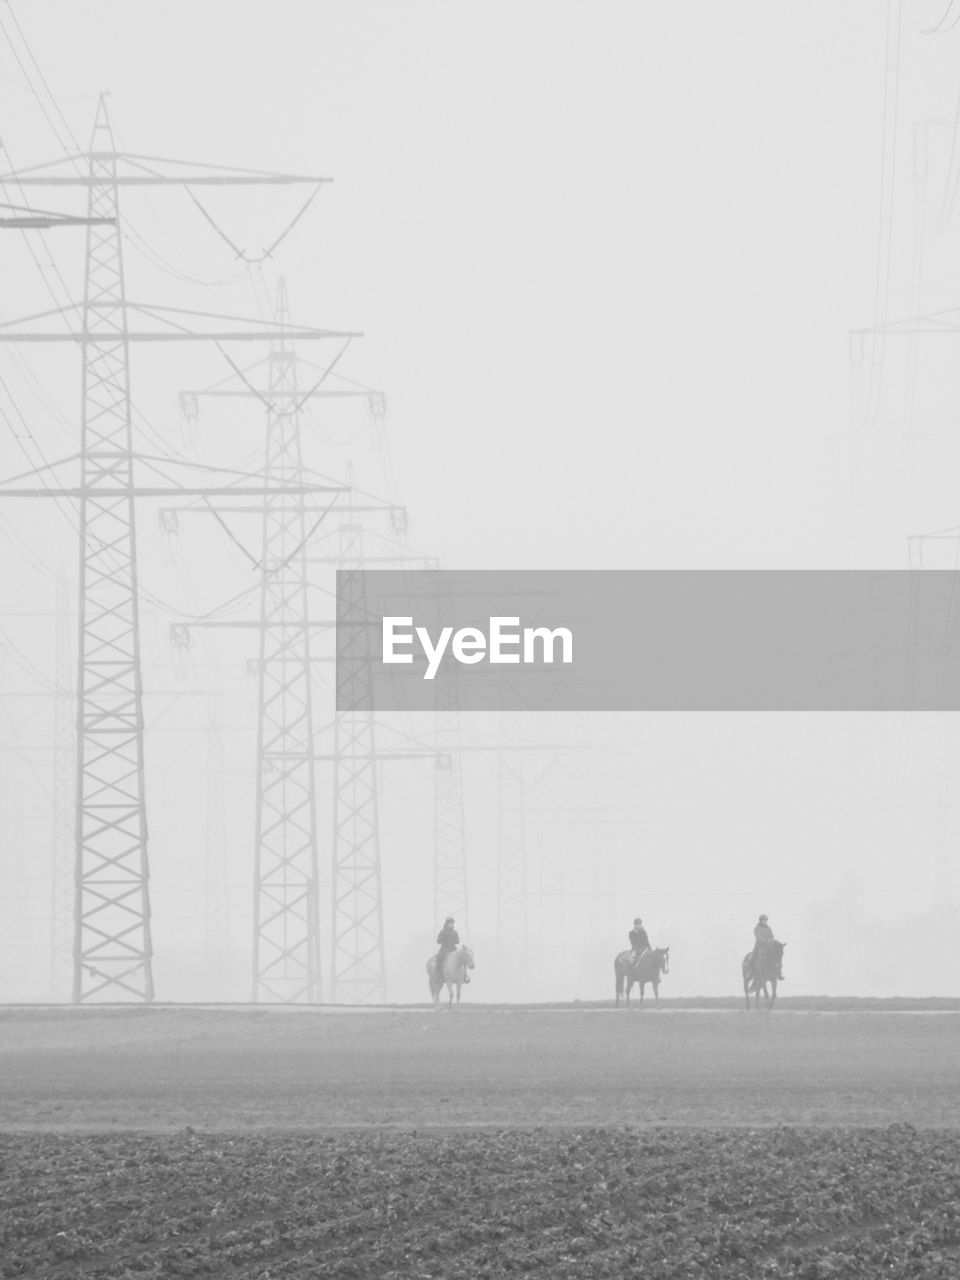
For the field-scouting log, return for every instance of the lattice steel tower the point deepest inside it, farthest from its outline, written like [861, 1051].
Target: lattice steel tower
[511, 849]
[450, 862]
[216, 897]
[112, 946]
[64, 805]
[288, 888]
[286, 962]
[359, 974]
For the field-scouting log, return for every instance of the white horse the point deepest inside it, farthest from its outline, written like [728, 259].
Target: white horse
[455, 966]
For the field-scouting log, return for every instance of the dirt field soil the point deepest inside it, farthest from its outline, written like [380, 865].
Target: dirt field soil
[568, 1205]
[304, 1069]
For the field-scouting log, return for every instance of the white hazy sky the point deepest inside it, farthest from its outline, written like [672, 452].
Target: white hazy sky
[606, 259]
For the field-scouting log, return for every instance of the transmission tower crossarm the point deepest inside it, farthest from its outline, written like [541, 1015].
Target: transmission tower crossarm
[331, 757]
[317, 393]
[435, 753]
[253, 624]
[167, 491]
[27, 222]
[255, 330]
[175, 335]
[399, 558]
[23, 217]
[207, 175]
[947, 322]
[200, 511]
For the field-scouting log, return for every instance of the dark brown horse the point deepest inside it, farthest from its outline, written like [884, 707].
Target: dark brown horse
[648, 968]
[765, 973]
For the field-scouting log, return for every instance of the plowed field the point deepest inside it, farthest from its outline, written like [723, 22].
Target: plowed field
[261, 1144]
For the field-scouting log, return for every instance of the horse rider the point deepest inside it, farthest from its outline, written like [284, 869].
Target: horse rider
[449, 940]
[762, 934]
[639, 942]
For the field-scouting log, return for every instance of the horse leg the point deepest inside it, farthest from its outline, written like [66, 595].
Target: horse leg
[656, 989]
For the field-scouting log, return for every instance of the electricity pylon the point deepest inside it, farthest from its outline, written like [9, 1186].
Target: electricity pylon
[216, 898]
[940, 550]
[286, 958]
[22, 217]
[358, 967]
[64, 806]
[113, 947]
[511, 850]
[449, 843]
[286, 948]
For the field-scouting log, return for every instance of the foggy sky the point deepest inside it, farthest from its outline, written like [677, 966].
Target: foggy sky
[605, 263]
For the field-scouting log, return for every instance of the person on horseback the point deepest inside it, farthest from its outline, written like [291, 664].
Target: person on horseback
[449, 940]
[639, 942]
[762, 934]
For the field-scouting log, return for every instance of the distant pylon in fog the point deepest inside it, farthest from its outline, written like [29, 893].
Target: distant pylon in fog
[358, 967]
[63, 868]
[512, 920]
[287, 883]
[286, 960]
[216, 900]
[450, 862]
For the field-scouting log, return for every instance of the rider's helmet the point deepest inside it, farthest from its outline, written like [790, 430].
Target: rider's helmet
[449, 920]
[638, 921]
[763, 919]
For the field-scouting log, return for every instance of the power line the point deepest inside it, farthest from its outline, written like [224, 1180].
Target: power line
[944, 23]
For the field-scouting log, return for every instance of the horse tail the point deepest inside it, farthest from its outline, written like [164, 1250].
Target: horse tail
[619, 975]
